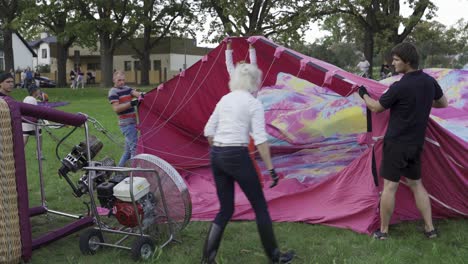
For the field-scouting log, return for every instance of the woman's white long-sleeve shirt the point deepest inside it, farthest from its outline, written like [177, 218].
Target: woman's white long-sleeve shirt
[230, 63]
[236, 116]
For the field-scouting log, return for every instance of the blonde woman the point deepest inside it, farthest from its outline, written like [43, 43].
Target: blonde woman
[236, 116]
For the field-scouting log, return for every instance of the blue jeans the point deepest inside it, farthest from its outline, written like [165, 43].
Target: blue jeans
[131, 137]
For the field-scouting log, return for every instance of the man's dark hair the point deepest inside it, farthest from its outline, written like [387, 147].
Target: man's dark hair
[4, 76]
[32, 88]
[407, 53]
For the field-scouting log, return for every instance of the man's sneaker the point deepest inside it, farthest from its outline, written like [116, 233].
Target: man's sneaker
[379, 235]
[431, 234]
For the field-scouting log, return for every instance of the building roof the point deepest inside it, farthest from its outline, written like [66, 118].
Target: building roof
[49, 39]
[34, 42]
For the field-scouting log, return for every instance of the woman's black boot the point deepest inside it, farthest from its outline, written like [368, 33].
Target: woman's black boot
[213, 239]
[282, 258]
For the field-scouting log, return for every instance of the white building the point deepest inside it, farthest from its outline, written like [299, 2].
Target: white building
[167, 58]
[42, 49]
[23, 55]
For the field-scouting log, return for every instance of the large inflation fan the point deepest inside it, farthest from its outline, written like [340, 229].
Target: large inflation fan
[174, 190]
[148, 200]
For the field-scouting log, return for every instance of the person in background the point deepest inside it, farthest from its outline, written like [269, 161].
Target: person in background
[23, 78]
[37, 74]
[28, 128]
[80, 79]
[385, 71]
[73, 79]
[410, 101]
[6, 84]
[124, 101]
[29, 79]
[90, 78]
[229, 61]
[236, 115]
[363, 66]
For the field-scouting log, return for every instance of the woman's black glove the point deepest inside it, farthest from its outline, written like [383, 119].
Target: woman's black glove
[274, 177]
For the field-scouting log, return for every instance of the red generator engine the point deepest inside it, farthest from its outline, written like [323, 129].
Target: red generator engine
[125, 213]
[117, 196]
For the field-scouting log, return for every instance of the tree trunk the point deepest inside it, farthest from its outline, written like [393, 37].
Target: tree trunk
[369, 48]
[145, 64]
[8, 49]
[107, 60]
[62, 55]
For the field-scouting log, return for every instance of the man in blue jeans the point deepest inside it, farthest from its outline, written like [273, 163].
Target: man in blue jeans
[123, 100]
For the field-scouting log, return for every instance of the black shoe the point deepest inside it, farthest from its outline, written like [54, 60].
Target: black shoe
[431, 234]
[213, 239]
[283, 258]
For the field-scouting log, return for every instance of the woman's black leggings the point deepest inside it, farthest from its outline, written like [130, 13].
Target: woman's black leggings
[230, 164]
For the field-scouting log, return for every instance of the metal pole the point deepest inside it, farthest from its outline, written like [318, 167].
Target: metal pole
[91, 176]
[185, 53]
[39, 160]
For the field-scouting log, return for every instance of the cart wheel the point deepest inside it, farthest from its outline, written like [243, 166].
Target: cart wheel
[88, 239]
[142, 248]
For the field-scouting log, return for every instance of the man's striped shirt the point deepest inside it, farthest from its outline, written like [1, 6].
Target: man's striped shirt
[123, 95]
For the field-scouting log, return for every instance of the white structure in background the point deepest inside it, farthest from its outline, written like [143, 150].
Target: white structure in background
[23, 55]
[42, 48]
[167, 59]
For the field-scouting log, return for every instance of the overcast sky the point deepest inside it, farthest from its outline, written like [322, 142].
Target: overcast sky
[448, 13]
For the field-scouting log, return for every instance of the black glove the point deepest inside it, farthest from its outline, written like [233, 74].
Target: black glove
[362, 91]
[134, 102]
[274, 177]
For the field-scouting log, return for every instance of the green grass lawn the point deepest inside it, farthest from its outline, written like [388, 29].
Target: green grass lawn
[241, 244]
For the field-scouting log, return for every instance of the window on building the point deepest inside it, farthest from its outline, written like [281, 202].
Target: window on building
[76, 58]
[127, 65]
[157, 65]
[137, 65]
[44, 53]
[94, 66]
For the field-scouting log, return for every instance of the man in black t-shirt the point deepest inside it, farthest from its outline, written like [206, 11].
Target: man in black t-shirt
[410, 101]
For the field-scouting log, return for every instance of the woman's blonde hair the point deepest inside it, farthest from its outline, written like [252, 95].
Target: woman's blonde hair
[246, 77]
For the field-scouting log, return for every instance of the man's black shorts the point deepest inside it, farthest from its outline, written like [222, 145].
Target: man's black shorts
[400, 160]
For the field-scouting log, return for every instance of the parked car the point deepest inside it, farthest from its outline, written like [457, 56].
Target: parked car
[44, 82]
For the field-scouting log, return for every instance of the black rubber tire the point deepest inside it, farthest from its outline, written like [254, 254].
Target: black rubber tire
[86, 239]
[142, 248]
